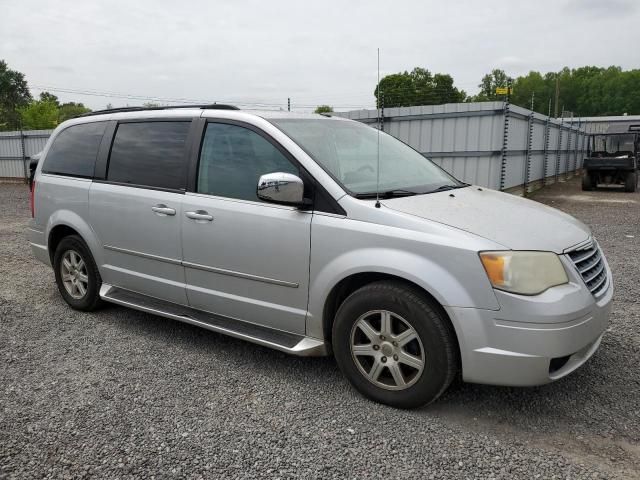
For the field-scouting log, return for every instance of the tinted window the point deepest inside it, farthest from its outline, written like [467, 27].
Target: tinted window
[150, 154]
[74, 150]
[232, 160]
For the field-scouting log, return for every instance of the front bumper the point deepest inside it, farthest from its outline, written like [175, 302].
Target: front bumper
[532, 340]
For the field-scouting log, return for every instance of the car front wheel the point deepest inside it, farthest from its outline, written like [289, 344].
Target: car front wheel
[395, 345]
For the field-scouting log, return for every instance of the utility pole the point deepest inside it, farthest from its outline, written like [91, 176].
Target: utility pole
[549, 106]
[288, 104]
[533, 96]
[557, 93]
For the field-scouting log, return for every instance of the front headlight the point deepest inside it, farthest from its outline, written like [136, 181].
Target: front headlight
[526, 273]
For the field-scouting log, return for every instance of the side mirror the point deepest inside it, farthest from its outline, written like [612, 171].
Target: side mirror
[280, 187]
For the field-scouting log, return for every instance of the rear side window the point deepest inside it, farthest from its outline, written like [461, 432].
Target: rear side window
[233, 158]
[74, 150]
[149, 154]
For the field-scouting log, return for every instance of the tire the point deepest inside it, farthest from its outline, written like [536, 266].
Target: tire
[631, 182]
[434, 343]
[587, 181]
[82, 292]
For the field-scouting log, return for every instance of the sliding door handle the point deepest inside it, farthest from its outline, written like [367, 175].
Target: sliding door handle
[201, 215]
[162, 209]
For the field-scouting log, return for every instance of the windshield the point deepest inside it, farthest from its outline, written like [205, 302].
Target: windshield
[614, 144]
[348, 151]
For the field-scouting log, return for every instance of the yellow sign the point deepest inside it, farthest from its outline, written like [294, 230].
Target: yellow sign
[504, 91]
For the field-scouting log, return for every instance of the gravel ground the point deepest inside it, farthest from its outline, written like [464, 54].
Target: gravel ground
[123, 394]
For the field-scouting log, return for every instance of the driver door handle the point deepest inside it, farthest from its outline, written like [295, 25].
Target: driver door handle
[162, 209]
[201, 215]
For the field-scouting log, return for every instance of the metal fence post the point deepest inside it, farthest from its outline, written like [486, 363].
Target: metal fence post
[527, 167]
[575, 149]
[545, 162]
[557, 170]
[505, 144]
[24, 157]
[569, 139]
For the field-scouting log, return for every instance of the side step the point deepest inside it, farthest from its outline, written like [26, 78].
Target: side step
[277, 339]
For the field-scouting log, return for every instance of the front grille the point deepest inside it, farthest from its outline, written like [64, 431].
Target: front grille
[590, 264]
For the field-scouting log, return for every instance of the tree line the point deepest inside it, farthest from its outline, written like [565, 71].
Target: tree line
[584, 91]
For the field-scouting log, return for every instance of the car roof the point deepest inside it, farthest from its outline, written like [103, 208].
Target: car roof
[226, 111]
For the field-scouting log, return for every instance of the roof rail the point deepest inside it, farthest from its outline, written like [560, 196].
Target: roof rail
[212, 106]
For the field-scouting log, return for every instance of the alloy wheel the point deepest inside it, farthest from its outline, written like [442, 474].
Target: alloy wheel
[74, 276]
[387, 350]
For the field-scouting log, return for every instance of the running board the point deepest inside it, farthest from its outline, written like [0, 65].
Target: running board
[277, 339]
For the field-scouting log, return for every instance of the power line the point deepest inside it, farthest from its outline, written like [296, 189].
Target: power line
[182, 100]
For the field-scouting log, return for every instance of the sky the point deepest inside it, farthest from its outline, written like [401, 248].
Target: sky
[259, 53]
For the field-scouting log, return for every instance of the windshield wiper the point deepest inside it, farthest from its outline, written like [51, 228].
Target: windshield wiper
[398, 192]
[443, 188]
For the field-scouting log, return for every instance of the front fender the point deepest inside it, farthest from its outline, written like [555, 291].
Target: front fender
[437, 279]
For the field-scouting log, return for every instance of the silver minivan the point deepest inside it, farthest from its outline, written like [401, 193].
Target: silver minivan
[316, 235]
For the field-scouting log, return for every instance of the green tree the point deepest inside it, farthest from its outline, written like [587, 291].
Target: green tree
[39, 115]
[70, 110]
[584, 91]
[49, 97]
[488, 85]
[533, 86]
[14, 93]
[418, 87]
[323, 109]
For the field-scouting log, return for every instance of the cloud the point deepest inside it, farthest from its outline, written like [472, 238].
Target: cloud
[60, 68]
[602, 8]
[314, 52]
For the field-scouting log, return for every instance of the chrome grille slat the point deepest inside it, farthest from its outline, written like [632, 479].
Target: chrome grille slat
[595, 274]
[593, 261]
[587, 256]
[589, 263]
[599, 284]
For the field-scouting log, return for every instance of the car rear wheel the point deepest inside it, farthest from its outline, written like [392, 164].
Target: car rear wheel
[588, 182]
[631, 182]
[395, 345]
[76, 274]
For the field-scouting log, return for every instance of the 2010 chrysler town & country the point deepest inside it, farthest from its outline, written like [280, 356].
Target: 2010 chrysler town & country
[265, 226]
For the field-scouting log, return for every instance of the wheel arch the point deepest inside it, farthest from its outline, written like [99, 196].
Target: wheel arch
[355, 281]
[64, 223]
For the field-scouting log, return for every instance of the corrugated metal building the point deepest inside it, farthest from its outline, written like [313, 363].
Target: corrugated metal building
[15, 150]
[488, 143]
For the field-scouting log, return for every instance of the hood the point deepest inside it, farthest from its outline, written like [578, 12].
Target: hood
[515, 222]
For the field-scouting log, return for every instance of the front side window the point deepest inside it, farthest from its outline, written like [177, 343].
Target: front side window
[149, 154]
[74, 150]
[233, 158]
[349, 152]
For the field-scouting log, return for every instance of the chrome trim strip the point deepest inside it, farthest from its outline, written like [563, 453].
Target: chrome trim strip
[233, 273]
[584, 257]
[197, 266]
[172, 261]
[598, 287]
[306, 347]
